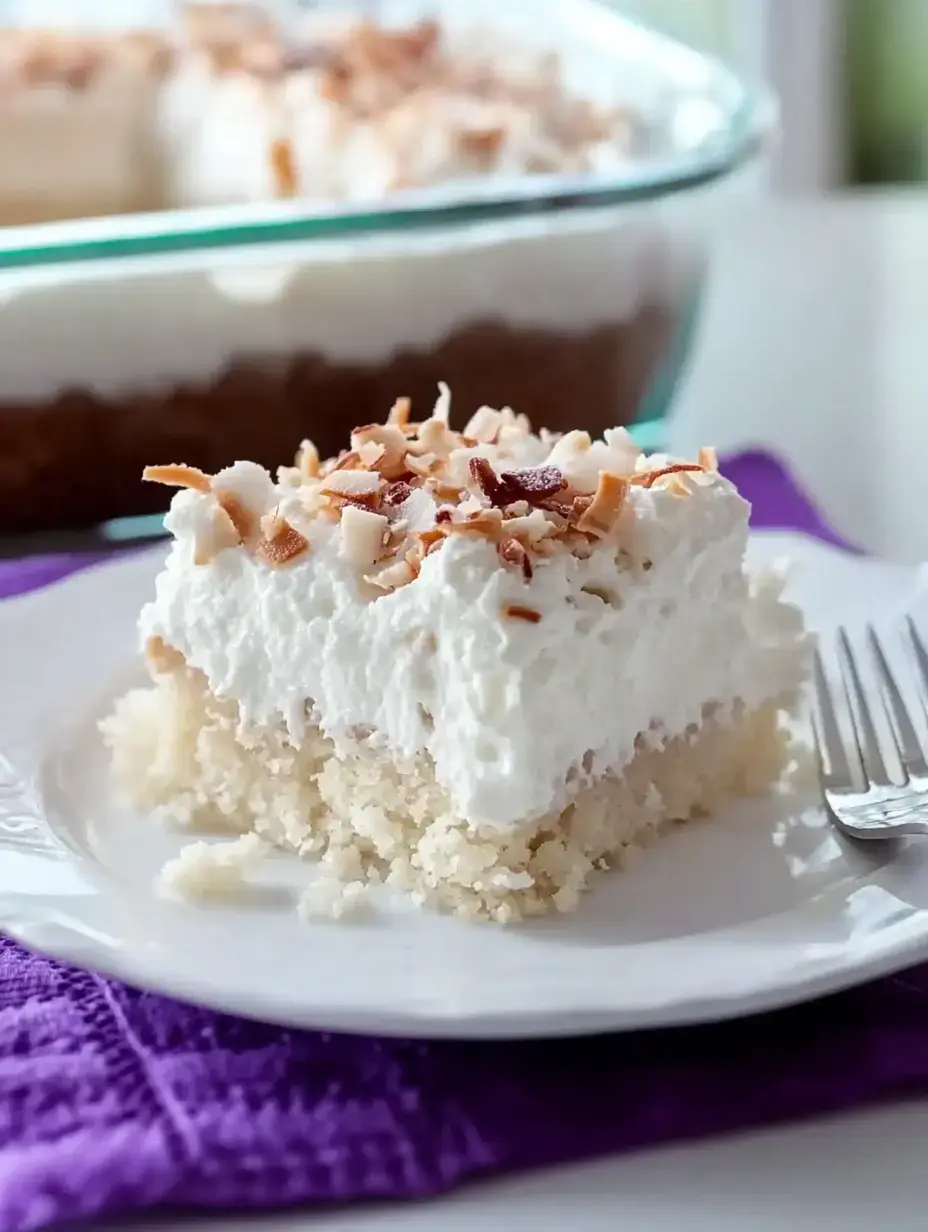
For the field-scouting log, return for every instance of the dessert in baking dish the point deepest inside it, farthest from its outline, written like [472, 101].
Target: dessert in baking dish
[103, 368]
[477, 667]
[231, 105]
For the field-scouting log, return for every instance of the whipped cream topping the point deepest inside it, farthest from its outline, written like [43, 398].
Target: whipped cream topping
[521, 685]
[232, 105]
[350, 110]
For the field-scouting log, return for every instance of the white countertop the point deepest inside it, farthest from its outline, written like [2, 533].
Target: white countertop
[814, 345]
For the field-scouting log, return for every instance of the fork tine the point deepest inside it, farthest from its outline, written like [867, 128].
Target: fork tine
[903, 730]
[834, 764]
[920, 655]
[862, 721]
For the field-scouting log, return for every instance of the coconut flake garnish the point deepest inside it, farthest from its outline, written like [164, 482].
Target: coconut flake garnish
[362, 536]
[352, 483]
[307, 460]
[392, 441]
[442, 409]
[484, 425]
[280, 543]
[402, 489]
[178, 475]
[603, 512]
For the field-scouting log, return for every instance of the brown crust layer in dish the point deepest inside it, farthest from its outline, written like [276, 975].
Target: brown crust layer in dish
[78, 460]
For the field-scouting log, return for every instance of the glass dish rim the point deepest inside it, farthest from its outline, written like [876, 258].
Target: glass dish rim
[750, 125]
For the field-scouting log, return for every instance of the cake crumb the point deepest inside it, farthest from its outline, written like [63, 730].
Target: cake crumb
[329, 899]
[207, 871]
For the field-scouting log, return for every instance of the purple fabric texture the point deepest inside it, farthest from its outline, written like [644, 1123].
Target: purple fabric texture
[115, 1101]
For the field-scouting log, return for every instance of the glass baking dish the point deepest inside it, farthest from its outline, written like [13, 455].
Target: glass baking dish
[209, 334]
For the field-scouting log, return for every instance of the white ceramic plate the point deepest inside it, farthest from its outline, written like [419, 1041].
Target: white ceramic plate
[758, 908]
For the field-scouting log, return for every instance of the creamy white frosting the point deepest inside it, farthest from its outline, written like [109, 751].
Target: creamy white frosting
[515, 715]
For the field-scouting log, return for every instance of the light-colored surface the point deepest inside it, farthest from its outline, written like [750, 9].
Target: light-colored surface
[830, 360]
[650, 948]
[814, 346]
[849, 1175]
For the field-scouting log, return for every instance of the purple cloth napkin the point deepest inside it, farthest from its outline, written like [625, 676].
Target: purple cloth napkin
[118, 1101]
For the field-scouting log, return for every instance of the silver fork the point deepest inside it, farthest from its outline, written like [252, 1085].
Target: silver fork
[867, 800]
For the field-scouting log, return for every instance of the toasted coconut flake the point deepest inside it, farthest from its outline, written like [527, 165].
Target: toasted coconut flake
[603, 512]
[552, 546]
[428, 538]
[442, 411]
[446, 492]
[280, 543]
[531, 485]
[534, 484]
[362, 536]
[392, 576]
[513, 553]
[307, 460]
[393, 444]
[370, 454]
[483, 426]
[708, 459]
[178, 475]
[647, 479]
[488, 482]
[481, 514]
[161, 658]
[516, 611]
[682, 483]
[283, 169]
[488, 523]
[482, 144]
[561, 509]
[397, 494]
[351, 483]
[471, 504]
[364, 500]
[221, 533]
[435, 437]
[347, 460]
[400, 412]
[424, 465]
[531, 526]
[242, 519]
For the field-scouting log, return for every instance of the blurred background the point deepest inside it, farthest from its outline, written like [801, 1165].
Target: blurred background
[618, 306]
[850, 74]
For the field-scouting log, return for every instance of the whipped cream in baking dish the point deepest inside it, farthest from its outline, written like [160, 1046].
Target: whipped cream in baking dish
[232, 105]
[347, 110]
[528, 612]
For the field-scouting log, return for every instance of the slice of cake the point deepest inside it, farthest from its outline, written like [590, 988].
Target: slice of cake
[476, 667]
